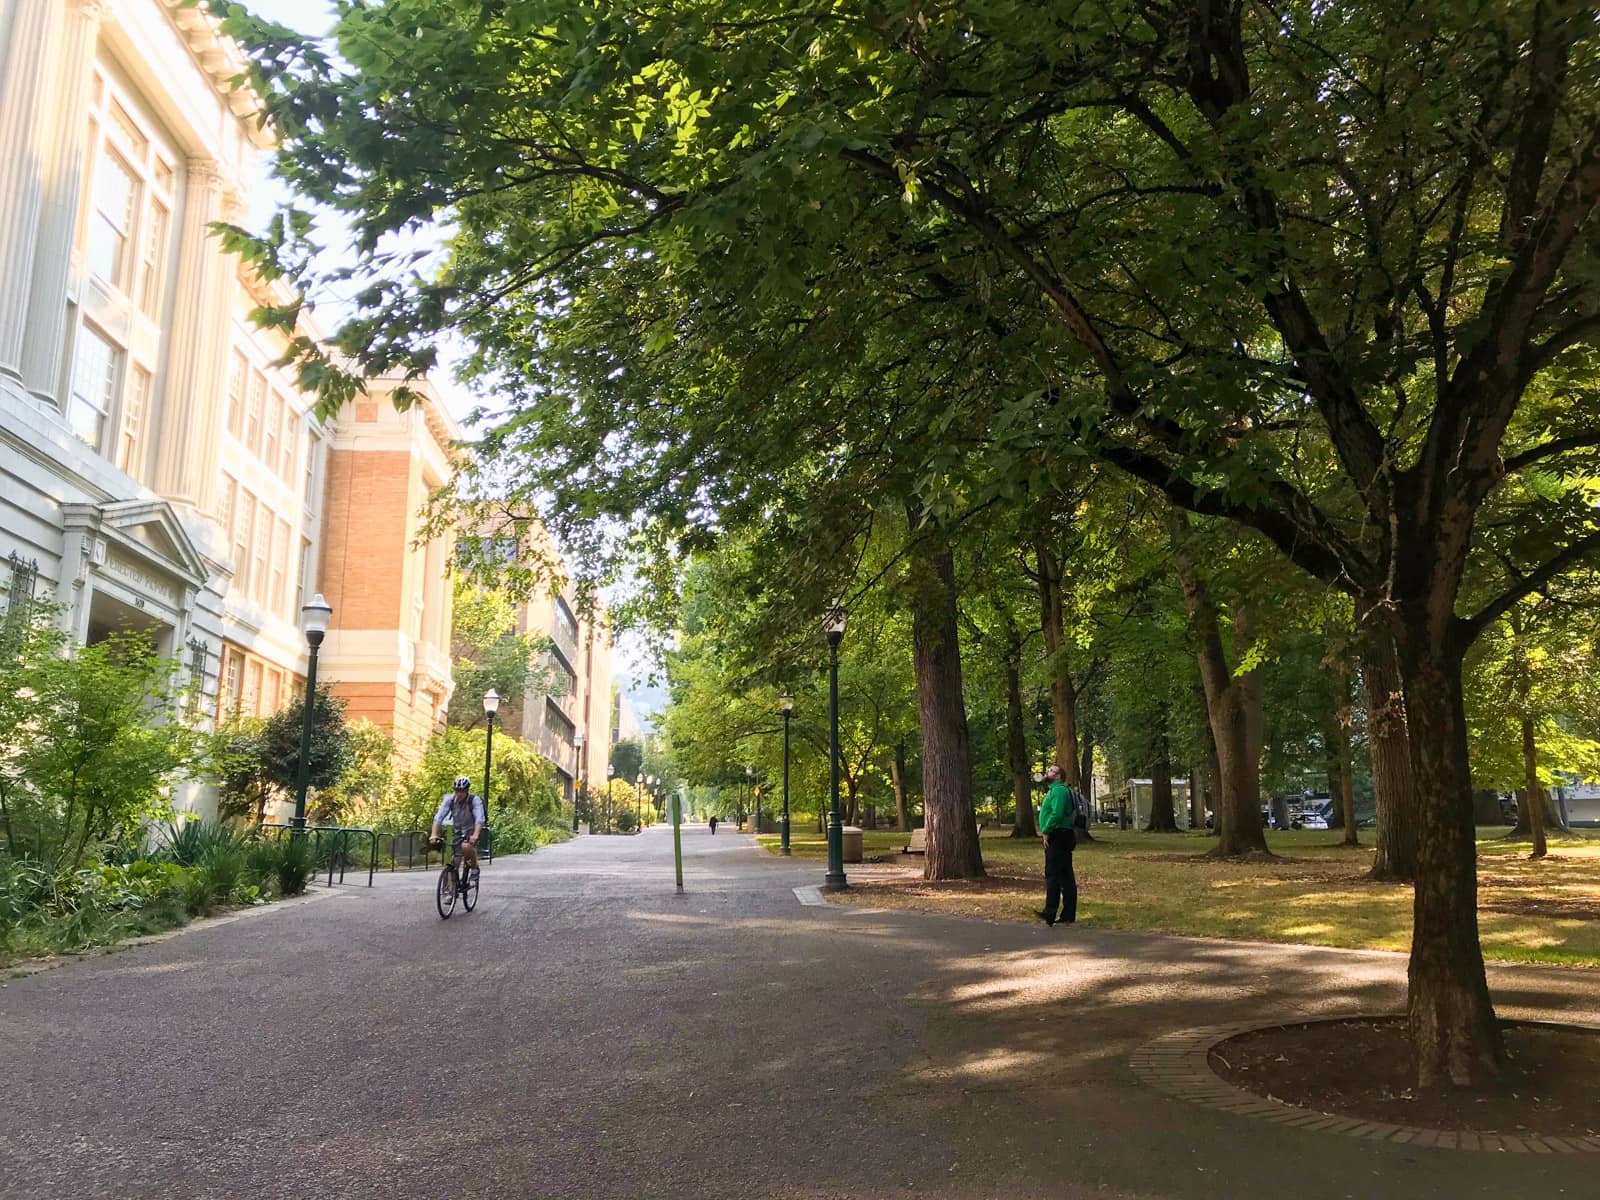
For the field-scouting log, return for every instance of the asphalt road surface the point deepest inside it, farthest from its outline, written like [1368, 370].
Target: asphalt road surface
[589, 1033]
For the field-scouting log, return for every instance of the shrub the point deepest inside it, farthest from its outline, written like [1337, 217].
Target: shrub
[223, 867]
[24, 887]
[296, 860]
[187, 843]
[196, 893]
[95, 736]
[627, 820]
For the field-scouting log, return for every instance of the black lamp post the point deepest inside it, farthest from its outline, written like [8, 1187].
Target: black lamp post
[491, 705]
[580, 740]
[638, 800]
[755, 800]
[314, 618]
[786, 704]
[834, 880]
[611, 771]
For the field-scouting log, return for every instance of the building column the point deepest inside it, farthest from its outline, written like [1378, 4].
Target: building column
[46, 317]
[24, 107]
[188, 434]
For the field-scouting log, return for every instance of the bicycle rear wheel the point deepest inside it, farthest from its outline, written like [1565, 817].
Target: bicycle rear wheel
[446, 896]
[469, 891]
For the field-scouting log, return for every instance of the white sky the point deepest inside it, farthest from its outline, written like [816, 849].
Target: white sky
[631, 662]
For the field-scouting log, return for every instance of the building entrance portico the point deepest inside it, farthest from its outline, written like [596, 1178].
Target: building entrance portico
[130, 565]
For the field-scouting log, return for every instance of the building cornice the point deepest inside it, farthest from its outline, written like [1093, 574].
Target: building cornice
[221, 59]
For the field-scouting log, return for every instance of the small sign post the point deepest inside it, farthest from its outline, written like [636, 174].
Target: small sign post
[677, 838]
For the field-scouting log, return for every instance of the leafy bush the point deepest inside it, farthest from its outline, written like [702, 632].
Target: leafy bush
[224, 867]
[42, 913]
[523, 783]
[520, 835]
[627, 820]
[196, 893]
[296, 860]
[24, 887]
[90, 741]
[188, 842]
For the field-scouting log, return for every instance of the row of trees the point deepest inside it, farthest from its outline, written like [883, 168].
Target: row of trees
[1289, 297]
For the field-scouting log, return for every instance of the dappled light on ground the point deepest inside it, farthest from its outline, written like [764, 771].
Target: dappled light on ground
[1316, 892]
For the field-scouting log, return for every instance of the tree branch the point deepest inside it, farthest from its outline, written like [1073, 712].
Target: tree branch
[1550, 449]
[1468, 628]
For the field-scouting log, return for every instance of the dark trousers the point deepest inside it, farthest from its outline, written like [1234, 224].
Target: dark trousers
[1060, 883]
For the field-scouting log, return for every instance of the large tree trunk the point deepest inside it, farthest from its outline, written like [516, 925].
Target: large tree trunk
[1453, 1027]
[1238, 815]
[897, 778]
[1162, 817]
[1393, 784]
[953, 850]
[1023, 824]
[1063, 695]
[1533, 795]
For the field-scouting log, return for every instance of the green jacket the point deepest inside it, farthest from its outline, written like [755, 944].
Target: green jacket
[1058, 812]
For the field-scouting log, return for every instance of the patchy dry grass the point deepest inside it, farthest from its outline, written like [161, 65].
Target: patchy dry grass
[1316, 892]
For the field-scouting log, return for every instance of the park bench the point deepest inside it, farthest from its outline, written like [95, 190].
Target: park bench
[918, 843]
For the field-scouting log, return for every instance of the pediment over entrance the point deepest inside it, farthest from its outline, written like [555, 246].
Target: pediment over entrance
[147, 530]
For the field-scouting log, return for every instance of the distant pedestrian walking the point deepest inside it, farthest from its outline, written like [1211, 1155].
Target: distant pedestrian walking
[713, 827]
[1056, 818]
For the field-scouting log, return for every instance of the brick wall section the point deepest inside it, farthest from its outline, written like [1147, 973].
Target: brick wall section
[366, 537]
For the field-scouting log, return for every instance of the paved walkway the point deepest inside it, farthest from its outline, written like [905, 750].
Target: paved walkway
[624, 1041]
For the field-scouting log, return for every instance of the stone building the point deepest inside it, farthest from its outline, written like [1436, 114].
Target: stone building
[158, 471]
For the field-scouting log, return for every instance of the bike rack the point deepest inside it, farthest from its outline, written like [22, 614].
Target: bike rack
[338, 845]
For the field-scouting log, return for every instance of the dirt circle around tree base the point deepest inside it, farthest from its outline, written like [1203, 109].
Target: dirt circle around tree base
[1351, 1076]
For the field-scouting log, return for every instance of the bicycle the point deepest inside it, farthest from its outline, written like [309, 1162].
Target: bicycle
[452, 886]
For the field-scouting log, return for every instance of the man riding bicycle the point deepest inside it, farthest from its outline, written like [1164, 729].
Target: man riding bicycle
[462, 808]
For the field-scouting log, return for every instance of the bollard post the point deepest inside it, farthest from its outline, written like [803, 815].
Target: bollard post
[677, 839]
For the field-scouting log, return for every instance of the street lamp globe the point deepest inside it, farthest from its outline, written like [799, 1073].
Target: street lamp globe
[833, 623]
[314, 618]
[491, 702]
[786, 703]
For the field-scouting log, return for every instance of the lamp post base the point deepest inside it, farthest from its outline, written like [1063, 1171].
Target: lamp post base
[834, 883]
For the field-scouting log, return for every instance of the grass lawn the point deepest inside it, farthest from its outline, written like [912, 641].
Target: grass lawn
[1316, 893]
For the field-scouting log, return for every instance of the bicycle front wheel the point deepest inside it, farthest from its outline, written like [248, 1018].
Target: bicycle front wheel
[447, 893]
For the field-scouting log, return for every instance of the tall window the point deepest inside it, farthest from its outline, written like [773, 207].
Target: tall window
[94, 381]
[279, 600]
[262, 547]
[243, 528]
[305, 573]
[252, 687]
[291, 439]
[313, 450]
[111, 224]
[124, 235]
[253, 412]
[151, 273]
[232, 682]
[272, 430]
[238, 377]
[227, 501]
[135, 414]
[131, 200]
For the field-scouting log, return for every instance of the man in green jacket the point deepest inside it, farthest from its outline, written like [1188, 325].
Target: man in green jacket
[1057, 815]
